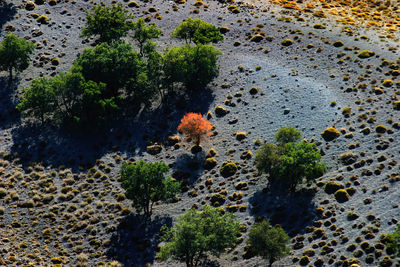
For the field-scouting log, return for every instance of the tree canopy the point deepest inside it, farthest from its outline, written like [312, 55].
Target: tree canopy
[289, 162]
[146, 183]
[268, 242]
[197, 234]
[109, 23]
[15, 53]
[197, 31]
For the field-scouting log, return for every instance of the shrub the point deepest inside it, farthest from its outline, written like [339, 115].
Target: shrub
[365, 54]
[209, 163]
[197, 234]
[268, 242]
[387, 83]
[257, 38]
[228, 169]
[194, 66]
[287, 42]
[341, 195]
[195, 126]
[330, 134]
[110, 23]
[331, 187]
[145, 184]
[338, 43]
[380, 128]
[198, 32]
[14, 54]
[286, 135]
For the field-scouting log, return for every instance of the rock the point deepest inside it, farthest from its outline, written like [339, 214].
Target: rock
[286, 111]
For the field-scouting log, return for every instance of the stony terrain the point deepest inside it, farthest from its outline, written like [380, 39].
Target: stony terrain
[60, 199]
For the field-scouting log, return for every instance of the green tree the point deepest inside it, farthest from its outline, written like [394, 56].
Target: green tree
[38, 99]
[145, 184]
[119, 67]
[393, 241]
[143, 34]
[287, 135]
[300, 160]
[197, 31]
[268, 242]
[288, 164]
[15, 53]
[110, 23]
[197, 234]
[194, 66]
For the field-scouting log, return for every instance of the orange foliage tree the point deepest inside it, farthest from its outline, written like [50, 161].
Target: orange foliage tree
[195, 126]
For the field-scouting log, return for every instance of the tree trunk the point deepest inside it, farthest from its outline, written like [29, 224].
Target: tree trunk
[11, 74]
[270, 262]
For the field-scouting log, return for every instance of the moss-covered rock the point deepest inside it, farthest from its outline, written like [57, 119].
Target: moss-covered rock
[330, 134]
[228, 169]
[253, 90]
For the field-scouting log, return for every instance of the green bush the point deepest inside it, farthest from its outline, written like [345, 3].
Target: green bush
[110, 23]
[268, 242]
[15, 53]
[197, 31]
[197, 234]
[393, 241]
[194, 66]
[289, 163]
[145, 184]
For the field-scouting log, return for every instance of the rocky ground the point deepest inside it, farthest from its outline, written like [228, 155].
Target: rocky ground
[60, 199]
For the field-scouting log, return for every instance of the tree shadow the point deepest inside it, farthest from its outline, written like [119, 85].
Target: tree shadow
[7, 11]
[8, 114]
[188, 167]
[293, 211]
[134, 242]
[129, 134]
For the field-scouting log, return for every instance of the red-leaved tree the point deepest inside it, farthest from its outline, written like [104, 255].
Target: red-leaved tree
[195, 126]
